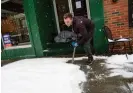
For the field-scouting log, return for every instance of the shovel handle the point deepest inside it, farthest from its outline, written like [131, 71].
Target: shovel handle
[73, 54]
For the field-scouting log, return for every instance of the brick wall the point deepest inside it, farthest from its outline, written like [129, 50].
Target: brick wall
[116, 17]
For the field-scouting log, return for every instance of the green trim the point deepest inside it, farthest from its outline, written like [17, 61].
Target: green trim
[97, 15]
[45, 20]
[62, 51]
[17, 53]
[30, 13]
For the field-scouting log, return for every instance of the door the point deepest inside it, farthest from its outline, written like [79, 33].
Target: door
[79, 7]
[76, 7]
[60, 7]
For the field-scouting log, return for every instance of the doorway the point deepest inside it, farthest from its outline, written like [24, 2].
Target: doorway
[79, 7]
[76, 7]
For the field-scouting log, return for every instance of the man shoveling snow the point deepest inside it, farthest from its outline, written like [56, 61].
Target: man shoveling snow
[84, 29]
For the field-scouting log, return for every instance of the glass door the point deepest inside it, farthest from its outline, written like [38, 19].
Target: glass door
[76, 7]
[61, 7]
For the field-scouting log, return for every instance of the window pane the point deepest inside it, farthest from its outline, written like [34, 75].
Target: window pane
[13, 24]
[62, 8]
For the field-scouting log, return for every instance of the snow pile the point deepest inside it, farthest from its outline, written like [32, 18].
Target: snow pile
[44, 75]
[100, 57]
[120, 65]
[120, 59]
[130, 86]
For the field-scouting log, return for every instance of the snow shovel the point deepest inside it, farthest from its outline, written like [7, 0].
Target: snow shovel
[73, 54]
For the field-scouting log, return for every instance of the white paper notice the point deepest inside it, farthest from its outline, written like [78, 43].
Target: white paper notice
[78, 4]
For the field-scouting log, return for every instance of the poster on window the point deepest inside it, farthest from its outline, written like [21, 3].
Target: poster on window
[7, 40]
[78, 4]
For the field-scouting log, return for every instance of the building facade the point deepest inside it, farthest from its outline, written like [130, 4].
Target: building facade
[37, 22]
[118, 17]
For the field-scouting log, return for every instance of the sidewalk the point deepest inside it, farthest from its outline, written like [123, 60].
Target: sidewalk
[106, 75]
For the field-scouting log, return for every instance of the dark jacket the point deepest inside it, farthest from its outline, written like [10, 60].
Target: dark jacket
[84, 27]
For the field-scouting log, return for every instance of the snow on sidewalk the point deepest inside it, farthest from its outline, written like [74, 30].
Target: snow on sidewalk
[53, 75]
[42, 75]
[120, 65]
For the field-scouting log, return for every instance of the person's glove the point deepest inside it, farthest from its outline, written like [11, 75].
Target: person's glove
[74, 44]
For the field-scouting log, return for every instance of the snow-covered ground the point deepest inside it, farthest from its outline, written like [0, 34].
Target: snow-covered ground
[120, 65]
[54, 75]
[43, 75]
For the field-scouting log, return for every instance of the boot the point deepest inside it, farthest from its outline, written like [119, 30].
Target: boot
[90, 58]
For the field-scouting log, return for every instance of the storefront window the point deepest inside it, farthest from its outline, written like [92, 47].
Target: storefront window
[13, 24]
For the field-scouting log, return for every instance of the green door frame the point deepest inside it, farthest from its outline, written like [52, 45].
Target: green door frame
[100, 41]
[30, 12]
[97, 15]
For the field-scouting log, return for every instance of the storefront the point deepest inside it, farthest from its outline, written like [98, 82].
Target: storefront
[33, 24]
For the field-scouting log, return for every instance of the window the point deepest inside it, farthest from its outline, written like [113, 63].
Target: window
[130, 11]
[61, 7]
[13, 24]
